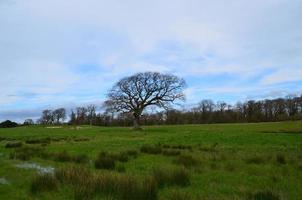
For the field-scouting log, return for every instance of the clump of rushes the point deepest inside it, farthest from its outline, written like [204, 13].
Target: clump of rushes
[166, 176]
[151, 149]
[62, 156]
[108, 160]
[186, 160]
[280, 158]
[26, 153]
[265, 195]
[81, 139]
[109, 185]
[38, 141]
[132, 153]
[122, 157]
[171, 152]
[82, 158]
[13, 144]
[256, 159]
[43, 182]
[180, 195]
[104, 161]
[120, 167]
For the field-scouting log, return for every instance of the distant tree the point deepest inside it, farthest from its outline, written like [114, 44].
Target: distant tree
[47, 117]
[28, 122]
[134, 93]
[81, 115]
[59, 115]
[8, 124]
[91, 110]
[72, 118]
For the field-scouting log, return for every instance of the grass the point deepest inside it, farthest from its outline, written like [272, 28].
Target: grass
[87, 185]
[218, 161]
[43, 183]
[13, 144]
[168, 176]
[151, 149]
[186, 160]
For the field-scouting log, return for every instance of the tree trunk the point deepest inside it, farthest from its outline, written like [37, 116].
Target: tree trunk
[136, 125]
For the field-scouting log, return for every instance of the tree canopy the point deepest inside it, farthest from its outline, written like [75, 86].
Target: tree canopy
[134, 93]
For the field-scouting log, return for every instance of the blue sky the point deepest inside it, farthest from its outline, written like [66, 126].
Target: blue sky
[67, 53]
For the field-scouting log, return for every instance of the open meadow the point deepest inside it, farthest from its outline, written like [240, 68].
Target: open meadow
[218, 161]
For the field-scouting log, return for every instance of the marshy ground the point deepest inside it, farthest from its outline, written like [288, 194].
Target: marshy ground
[219, 161]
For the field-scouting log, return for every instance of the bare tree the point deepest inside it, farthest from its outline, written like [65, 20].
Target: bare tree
[47, 117]
[134, 93]
[59, 114]
[91, 113]
[28, 122]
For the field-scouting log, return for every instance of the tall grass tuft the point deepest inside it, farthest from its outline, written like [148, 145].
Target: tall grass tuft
[38, 141]
[186, 160]
[110, 185]
[267, 195]
[132, 153]
[26, 153]
[256, 159]
[82, 158]
[151, 149]
[166, 176]
[13, 144]
[180, 195]
[62, 156]
[280, 158]
[43, 182]
[104, 161]
[171, 152]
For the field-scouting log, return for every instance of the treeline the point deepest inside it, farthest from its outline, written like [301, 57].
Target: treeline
[280, 109]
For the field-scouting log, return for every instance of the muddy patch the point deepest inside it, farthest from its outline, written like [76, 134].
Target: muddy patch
[39, 168]
[3, 181]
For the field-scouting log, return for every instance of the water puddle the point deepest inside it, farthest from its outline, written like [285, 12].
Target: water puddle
[39, 168]
[3, 181]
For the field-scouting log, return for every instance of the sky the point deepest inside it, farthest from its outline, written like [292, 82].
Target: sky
[56, 53]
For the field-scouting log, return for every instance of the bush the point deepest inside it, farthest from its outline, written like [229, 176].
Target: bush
[267, 195]
[13, 144]
[151, 149]
[43, 182]
[186, 160]
[104, 161]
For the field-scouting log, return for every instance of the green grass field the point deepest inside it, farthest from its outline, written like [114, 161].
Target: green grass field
[221, 161]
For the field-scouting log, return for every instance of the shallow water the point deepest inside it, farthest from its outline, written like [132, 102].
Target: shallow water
[39, 168]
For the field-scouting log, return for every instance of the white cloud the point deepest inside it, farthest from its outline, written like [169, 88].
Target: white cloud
[42, 44]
